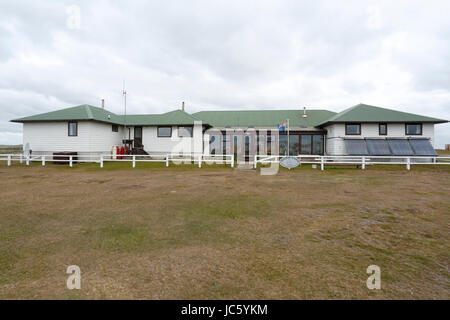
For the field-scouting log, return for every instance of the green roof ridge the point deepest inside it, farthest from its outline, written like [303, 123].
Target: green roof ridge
[368, 113]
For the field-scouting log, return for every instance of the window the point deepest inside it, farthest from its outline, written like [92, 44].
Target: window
[225, 144]
[294, 140]
[306, 144]
[282, 144]
[73, 129]
[165, 132]
[317, 146]
[247, 145]
[115, 128]
[185, 131]
[353, 129]
[382, 129]
[260, 144]
[269, 144]
[413, 129]
[214, 144]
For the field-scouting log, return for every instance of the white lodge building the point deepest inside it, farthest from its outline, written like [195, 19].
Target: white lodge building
[359, 130]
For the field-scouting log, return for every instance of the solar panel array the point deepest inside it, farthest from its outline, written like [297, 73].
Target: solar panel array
[400, 147]
[422, 147]
[389, 147]
[378, 147]
[356, 147]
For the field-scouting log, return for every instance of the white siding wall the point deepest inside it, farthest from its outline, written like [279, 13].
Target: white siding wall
[336, 134]
[154, 144]
[92, 137]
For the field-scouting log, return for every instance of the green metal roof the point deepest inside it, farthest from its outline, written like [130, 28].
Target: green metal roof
[175, 117]
[248, 118]
[82, 112]
[88, 112]
[263, 118]
[366, 113]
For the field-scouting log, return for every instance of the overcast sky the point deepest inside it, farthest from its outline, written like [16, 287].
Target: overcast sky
[223, 55]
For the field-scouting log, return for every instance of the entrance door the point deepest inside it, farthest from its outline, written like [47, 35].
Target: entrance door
[237, 146]
[138, 137]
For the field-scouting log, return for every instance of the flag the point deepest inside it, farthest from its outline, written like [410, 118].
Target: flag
[282, 126]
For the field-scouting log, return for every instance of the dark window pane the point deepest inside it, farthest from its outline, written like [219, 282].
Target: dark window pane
[247, 146]
[383, 129]
[378, 147]
[294, 144]
[306, 144]
[317, 144]
[237, 145]
[352, 129]
[73, 128]
[115, 128]
[413, 129]
[261, 144]
[269, 145]
[283, 144]
[164, 131]
[138, 132]
[356, 147]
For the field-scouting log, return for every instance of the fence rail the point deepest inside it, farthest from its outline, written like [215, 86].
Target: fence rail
[199, 159]
[101, 159]
[362, 161]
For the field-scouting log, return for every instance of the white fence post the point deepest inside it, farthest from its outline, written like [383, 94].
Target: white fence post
[322, 163]
[28, 160]
[134, 161]
[101, 161]
[70, 161]
[408, 163]
[363, 163]
[21, 158]
[232, 160]
[255, 165]
[9, 160]
[199, 161]
[43, 160]
[167, 160]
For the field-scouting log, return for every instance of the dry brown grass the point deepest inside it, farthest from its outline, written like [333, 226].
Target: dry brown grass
[188, 233]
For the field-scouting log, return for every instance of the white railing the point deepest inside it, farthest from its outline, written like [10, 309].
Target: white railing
[199, 159]
[362, 161]
[101, 159]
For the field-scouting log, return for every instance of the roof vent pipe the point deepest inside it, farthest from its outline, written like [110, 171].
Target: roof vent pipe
[304, 113]
[103, 103]
[182, 106]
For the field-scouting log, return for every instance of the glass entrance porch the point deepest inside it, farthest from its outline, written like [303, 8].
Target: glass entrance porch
[301, 144]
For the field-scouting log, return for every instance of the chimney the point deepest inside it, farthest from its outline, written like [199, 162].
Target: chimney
[182, 106]
[304, 113]
[103, 103]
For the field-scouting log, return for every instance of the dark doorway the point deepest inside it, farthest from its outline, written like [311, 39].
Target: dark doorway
[138, 137]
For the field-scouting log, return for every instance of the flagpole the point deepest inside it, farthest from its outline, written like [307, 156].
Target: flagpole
[288, 137]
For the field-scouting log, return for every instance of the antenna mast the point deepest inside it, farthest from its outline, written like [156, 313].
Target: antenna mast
[124, 93]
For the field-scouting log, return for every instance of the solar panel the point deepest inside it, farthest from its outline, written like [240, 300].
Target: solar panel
[378, 147]
[400, 147]
[422, 147]
[356, 147]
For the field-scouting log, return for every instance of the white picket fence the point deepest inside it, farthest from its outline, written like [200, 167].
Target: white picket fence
[362, 161]
[199, 159]
[101, 159]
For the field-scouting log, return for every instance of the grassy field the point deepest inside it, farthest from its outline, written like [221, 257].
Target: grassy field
[218, 233]
[13, 149]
